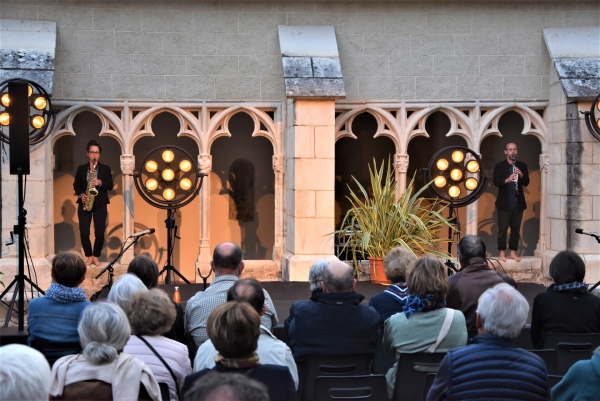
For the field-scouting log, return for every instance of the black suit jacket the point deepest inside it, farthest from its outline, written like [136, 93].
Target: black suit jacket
[104, 175]
[502, 171]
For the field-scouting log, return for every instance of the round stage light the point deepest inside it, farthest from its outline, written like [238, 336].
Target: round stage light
[151, 184]
[185, 184]
[4, 118]
[40, 103]
[442, 164]
[151, 166]
[168, 174]
[598, 123]
[5, 100]
[37, 122]
[440, 181]
[456, 174]
[454, 191]
[185, 166]
[29, 90]
[168, 194]
[471, 183]
[168, 156]
[472, 166]
[458, 156]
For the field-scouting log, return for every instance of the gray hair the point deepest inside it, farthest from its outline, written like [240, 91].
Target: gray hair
[503, 311]
[123, 289]
[24, 374]
[104, 331]
[315, 274]
[337, 278]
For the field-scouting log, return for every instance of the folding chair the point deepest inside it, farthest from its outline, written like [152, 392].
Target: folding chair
[350, 388]
[412, 372]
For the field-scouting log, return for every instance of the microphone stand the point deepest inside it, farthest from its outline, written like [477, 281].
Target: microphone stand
[109, 267]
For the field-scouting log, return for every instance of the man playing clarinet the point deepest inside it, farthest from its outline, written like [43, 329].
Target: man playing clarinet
[510, 176]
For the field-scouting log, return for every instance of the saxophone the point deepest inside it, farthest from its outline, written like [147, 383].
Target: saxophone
[91, 191]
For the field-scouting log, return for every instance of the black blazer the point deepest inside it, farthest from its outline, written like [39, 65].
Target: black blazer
[104, 175]
[502, 171]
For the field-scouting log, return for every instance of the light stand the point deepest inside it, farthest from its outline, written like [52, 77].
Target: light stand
[171, 235]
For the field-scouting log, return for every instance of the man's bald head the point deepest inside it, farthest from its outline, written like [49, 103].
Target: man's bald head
[338, 277]
[227, 256]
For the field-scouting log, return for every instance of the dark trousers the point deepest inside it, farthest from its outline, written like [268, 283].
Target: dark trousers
[85, 220]
[512, 218]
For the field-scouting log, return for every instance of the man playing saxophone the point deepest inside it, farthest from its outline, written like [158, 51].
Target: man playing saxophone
[92, 183]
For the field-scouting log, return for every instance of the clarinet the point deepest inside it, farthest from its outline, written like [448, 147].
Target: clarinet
[514, 166]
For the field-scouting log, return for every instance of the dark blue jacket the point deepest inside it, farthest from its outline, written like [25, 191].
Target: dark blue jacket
[387, 304]
[332, 324]
[490, 368]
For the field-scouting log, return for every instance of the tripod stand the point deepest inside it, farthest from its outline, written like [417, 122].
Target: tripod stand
[171, 235]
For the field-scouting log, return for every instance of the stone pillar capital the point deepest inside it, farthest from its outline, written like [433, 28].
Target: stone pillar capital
[401, 162]
[205, 163]
[278, 164]
[544, 162]
[127, 164]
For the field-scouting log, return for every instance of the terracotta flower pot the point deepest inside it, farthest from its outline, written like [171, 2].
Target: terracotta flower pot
[377, 273]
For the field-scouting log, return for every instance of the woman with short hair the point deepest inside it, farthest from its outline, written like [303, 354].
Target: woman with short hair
[123, 289]
[151, 314]
[566, 306]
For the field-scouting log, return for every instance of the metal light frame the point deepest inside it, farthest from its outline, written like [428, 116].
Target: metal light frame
[593, 122]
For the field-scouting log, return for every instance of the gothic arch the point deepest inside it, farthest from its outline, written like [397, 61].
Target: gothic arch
[460, 124]
[387, 124]
[533, 124]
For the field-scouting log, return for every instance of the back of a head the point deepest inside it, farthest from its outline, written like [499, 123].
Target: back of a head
[247, 290]
[227, 256]
[567, 267]
[215, 386]
[233, 329]
[471, 246]
[152, 313]
[123, 289]
[24, 374]
[503, 311]
[145, 269]
[395, 263]
[68, 269]
[427, 275]
[315, 274]
[104, 331]
[338, 277]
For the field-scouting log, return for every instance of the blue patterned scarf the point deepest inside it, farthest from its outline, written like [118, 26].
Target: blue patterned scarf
[60, 293]
[575, 286]
[398, 292]
[415, 303]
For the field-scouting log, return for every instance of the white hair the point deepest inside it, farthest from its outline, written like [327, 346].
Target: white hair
[104, 330]
[123, 289]
[503, 311]
[315, 274]
[24, 374]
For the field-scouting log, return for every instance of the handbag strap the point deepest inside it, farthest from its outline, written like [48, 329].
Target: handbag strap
[444, 331]
[164, 363]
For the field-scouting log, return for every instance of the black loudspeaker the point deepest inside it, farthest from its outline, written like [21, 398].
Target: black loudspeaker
[18, 126]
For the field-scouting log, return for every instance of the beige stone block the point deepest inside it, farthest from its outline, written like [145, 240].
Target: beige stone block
[380, 88]
[167, 21]
[261, 66]
[592, 267]
[585, 244]
[246, 6]
[590, 179]
[78, 86]
[355, 66]
[314, 174]
[456, 65]
[588, 5]
[537, 65]
[525, 43]
[72, 63]
[557, 179]
[385, 44]
[522, 87]
[314, 112]
[554, 6]
[361, 23]
[425, 45]
[556, 152]
[216, 22]
[117, 20]
[436, 87]
[448, 23]
[554, 208]
[111, 63]
[205, 6]
[337, 7]
[405, 23]
[66, 17]
[464, 7]
[274, 44]
[579, 208]
[87, 41]
[558, 132]
[350, 45]
[499, 23]
[502, 65]
[294, 6]
[212, 65]
[596, 152]
[247, 44]
[57, 86]
[583, 19]
[237, 87]
[261, 22]
[557, 114]
[190, 87]
[138, 43]
[476, 44]
[537, 22]
[300, 142]
[305, 204]
[190, 43]
[311, 235]
[138, 87]
[403, 65]
[15, 11]
[300, 19]
[479, 87]
[272, 88]
[596, 207]
[296, 267]
[325, 142]
[325, 202]
[351, 87]
[558, 234]
[158, 65]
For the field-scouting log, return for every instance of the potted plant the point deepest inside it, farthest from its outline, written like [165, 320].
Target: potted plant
[378, 222]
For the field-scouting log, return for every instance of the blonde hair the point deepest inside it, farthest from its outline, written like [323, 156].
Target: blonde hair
[233, 328]
[395, 263]
[428, 275]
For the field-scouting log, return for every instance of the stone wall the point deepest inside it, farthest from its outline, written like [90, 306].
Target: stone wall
[210, 50]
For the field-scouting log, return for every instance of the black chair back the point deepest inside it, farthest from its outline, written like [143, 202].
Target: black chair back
[428, 383]
[524, 339]
[549, 357]
[552, 381]
[55, 350]
[164, 391]
[281, 334]
[381, 361]
[411, 374]
[572, 347]
[350, 388]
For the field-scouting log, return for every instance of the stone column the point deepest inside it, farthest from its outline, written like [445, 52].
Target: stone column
[542, 246]
[127, 167]
[401, 162]
[204, 255]
[310, 166]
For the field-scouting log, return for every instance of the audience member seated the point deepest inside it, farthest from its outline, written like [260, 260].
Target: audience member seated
[581, 383]
[473, 278]
[234, 329]
[566, 307]
[335, 323]
[228, 265]
[270, 350]
[102, 371]
[146, 270]
[123, 289]
[24, 374]
[315, 276]
[55, 316]
[426, 325]
[493, 367]
[151, 312]
[215, 386]
[391, 301]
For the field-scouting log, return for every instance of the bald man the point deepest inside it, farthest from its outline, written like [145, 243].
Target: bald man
[333, 322]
